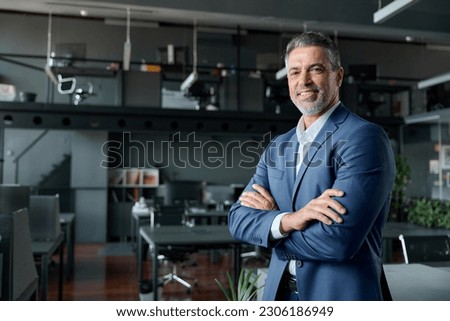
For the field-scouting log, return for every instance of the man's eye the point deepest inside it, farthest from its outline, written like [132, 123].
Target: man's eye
[316, 69]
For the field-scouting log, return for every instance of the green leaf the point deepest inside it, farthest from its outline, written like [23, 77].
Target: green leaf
[244, 290]
[224, 291]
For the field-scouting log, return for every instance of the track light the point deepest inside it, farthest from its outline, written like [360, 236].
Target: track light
[127, 45]
[434, 81]
[192, 78]
[189, 81]
[281, 73]
[391, 10]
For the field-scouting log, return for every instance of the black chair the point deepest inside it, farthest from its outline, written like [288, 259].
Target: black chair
[177, 255]
[18, 275]
[259, 254]
[431, 248]
[47, 237]
[45, 217]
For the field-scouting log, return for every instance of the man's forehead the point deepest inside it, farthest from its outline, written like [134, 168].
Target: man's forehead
[308, 56]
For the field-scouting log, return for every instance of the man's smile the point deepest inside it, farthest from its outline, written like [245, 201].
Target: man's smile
[305, 94]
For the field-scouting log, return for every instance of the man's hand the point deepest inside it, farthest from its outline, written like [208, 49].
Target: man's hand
[323, 208]
[261, 199]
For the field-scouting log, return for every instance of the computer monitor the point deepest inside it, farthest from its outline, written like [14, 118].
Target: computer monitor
[182, 192]
[363, 71]
[13, 197]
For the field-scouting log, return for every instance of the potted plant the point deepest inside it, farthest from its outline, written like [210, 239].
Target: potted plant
[244, 290]
[402, 179]
[429, 212]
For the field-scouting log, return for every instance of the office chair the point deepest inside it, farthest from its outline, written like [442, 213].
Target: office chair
[44, 217]
[259, 254]
[174, 215]
[47, 237]
[431, 248]
[18, 275]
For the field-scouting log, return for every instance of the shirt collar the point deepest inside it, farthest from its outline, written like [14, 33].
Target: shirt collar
[308, 135]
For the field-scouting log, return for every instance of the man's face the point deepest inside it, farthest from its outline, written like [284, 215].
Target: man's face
[313, 85]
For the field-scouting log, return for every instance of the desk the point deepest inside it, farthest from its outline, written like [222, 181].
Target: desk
[392, 230]
[441, 265]
[417, 282]
[212, 217]
[204, 216]
[212, 236]
[146, 217]
[67, 221]
[45, 250]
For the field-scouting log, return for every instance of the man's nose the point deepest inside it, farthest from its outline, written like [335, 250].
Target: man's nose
[304, 78]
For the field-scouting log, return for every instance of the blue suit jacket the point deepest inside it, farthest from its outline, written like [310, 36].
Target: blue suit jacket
[338, 261]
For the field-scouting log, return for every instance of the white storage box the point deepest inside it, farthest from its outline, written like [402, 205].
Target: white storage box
[7, 92]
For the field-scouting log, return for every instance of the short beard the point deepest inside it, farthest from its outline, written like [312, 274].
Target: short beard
[314, 110]
[317, 107]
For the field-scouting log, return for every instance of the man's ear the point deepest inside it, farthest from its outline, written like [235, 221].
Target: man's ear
[339, 76]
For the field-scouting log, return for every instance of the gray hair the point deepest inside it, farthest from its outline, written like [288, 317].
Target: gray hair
[311, 39]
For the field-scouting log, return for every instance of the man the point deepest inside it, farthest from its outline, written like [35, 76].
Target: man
[321, 192]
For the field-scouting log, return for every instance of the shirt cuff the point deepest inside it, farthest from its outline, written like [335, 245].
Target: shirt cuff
[275, 228]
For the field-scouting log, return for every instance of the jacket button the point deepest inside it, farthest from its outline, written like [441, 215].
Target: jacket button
[299, 263]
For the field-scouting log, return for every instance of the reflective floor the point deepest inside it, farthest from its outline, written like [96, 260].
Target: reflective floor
[108, 272]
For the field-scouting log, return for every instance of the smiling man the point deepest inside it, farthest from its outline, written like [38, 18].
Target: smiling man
[320, 195]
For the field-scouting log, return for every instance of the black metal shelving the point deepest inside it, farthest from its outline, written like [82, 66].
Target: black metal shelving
[116, 118]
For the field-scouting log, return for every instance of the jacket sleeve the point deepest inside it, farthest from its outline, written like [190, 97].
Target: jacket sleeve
[248, 224]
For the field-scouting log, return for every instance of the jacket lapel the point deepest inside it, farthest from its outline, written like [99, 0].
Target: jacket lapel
[290, 164]
[331, 125]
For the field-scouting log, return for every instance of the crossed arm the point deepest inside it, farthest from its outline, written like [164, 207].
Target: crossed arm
[323, 208]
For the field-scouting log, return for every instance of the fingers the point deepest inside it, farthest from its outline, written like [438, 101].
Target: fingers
[323, 214]
[326, 200]
[324, 208]
[261, 199]
[265, 193]
[333, 192]
[250, 199]
[255, 200]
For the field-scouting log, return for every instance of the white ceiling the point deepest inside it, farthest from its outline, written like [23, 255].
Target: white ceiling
[426, 21]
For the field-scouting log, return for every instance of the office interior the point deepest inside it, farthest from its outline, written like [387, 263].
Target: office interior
[94, 108]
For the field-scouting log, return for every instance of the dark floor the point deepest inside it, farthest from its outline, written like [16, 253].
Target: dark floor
[108, 272]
